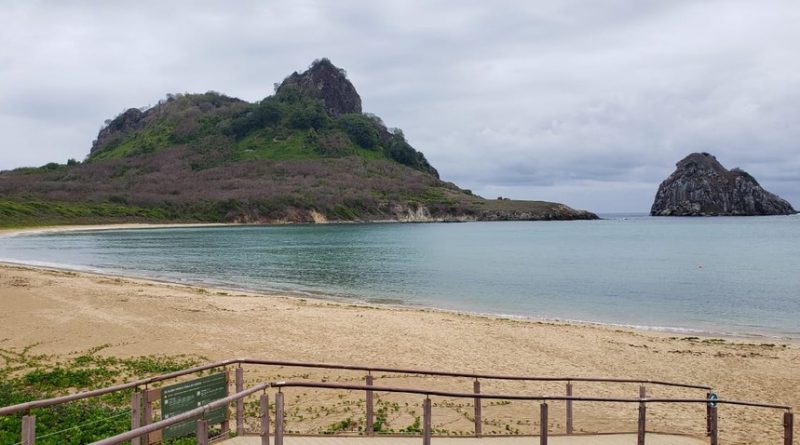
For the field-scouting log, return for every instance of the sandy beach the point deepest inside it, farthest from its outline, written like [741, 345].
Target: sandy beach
[80, 227]
[62, 313]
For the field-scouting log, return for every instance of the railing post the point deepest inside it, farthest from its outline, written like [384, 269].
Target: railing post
[642, 424]
[713, 430]
[426, 421]
[202, 432]
[569, 408]
[226, 424]
[708, 414]
[136, 415]
[264, 402]
[29, 430]
[476, 388]
[240, 402]
[543, 422]
[147, 411]
[788, 428]
[279, 418]
[370, 408]
[642, 417]
[150, 395]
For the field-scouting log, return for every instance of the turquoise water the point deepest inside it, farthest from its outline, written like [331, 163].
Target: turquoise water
[715, 275]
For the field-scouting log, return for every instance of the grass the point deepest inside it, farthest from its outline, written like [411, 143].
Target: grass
[345, 213]
[276, 146]
[25, 376]
[35, 212]
[284, 144]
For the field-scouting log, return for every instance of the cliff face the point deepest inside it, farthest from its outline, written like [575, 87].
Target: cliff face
[701, 186]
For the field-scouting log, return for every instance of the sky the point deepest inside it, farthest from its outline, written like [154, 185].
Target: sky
[589, 103]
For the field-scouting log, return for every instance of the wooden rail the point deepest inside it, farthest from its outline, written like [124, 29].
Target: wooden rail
[554, 398]
[372, 369]
[642, 401]
[202, 424]
[477, 415]
[27, 406]
[143, 399]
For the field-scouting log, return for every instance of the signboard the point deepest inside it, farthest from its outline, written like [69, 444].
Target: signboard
[186, 396]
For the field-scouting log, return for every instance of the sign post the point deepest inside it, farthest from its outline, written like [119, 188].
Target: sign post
[182, 397]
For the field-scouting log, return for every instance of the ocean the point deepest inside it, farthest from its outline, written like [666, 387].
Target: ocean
[713, 276]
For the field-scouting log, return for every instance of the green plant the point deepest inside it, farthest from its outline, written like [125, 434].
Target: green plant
[360, 128]
[26, 376]
[414, 427]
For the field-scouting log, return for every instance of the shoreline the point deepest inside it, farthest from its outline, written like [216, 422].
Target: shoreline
[37, 230]
[667, 331]
[687, 332]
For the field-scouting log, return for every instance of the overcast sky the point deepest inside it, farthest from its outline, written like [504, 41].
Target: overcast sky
[590, 103]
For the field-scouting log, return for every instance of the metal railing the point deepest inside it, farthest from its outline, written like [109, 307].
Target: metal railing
[28, 424]
[713, 430]
[478, 424]
[27, 406]
[279, 433]
[373, 369]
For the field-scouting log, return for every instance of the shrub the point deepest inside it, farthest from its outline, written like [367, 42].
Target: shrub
[360, 128]
[308, 116]
[266, 113]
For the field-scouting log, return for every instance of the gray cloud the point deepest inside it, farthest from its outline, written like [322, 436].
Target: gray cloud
[589, 103]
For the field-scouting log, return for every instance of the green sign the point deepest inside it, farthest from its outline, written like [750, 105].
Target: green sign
[186, 396]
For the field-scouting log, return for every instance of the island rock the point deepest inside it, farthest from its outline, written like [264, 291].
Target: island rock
[701, 186]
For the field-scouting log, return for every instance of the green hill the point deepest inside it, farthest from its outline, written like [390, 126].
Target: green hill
[304, 154]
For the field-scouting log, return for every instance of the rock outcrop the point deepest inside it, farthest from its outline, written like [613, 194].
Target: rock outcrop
[701, 186]
[131, 119]
[326, 82]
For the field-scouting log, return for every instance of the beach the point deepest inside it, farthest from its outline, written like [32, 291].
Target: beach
[58, 313]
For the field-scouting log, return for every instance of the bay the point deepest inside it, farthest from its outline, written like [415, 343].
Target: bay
[737, 276]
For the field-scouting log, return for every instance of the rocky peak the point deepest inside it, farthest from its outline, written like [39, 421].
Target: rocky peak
[701, 162]
[701, 186]
[130, 119]
[326, 82]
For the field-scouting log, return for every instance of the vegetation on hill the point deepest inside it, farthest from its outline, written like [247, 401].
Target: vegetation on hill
[294, 123]
[306, 153]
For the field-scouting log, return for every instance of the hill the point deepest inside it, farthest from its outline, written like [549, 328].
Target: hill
[304, 154]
